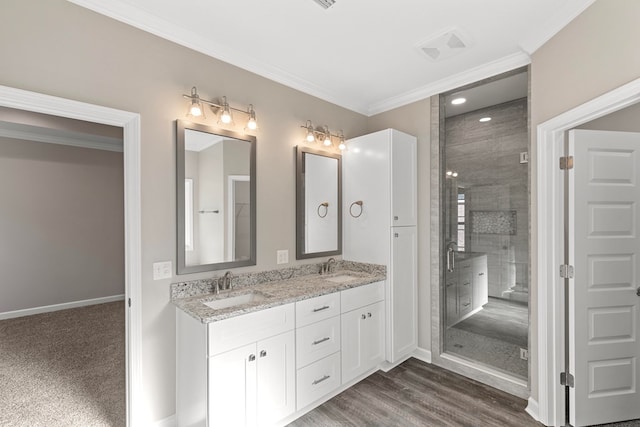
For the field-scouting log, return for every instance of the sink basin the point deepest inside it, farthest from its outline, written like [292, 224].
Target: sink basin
[232, 301]
[341, 278]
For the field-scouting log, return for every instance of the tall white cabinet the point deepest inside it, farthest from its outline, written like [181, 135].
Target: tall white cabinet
[380, 225]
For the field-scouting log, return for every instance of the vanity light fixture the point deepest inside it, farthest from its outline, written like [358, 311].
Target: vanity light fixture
[323, 134]
[196, 109]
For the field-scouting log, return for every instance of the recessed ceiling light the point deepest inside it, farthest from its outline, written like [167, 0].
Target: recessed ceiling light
[485, 119]
[459, 100]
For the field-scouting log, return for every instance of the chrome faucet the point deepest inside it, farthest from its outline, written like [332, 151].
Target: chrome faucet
[226, 280]
[329, 266]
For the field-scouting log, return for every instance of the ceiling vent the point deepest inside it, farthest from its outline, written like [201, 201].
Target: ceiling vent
[325, 3]
[444, 45]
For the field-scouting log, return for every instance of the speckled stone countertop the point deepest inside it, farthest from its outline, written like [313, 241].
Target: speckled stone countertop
[288, 286]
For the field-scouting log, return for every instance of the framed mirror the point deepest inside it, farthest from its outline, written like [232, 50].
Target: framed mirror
[216, 194]
[318, 203]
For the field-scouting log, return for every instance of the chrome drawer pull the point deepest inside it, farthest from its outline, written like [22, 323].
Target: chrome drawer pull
[326, 377]
[321, 341]
[263, 353]
[252, 357]
[315, 310]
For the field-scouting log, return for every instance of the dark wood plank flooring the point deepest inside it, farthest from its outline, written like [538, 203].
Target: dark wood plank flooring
[419, 394]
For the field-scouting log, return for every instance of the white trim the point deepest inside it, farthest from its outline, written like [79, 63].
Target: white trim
[481, 72]
[550, 303]
[51, 136]
[167, 422]
[567, 13]
[130, 122]
[532, 409]
[422, 354]
[57, 307]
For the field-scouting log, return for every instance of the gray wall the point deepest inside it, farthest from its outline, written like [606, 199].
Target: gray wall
[487, 158]
[58, 48]
[61, 222]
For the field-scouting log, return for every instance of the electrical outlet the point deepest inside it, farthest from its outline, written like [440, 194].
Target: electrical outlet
[524, 354]
[282, 256]
[162, 270]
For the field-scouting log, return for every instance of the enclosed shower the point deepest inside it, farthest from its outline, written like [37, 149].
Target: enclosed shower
[484, 225]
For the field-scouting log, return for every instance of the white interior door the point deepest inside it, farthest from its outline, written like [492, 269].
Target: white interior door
[604, 248]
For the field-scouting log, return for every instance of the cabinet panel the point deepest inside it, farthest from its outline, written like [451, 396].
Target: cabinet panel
[361, 296]
[318, 379]
[362, 340]
[231, 385]
[315, 309]
[313, 342]
[402, 299]
[404, 180]
[251, 327]
[275, 379]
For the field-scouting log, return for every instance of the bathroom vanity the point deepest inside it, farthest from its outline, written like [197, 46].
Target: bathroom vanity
[467, 288]
[270, 352]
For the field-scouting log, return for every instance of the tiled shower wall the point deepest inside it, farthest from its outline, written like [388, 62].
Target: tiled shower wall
[487, 159]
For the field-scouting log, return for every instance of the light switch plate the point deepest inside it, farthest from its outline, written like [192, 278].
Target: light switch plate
[282, 256]
[162, 270]
[524, 157]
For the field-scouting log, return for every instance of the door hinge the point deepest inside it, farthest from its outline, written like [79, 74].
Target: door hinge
[566, 162]
[566, 379]
[566, 271]
[129, 302]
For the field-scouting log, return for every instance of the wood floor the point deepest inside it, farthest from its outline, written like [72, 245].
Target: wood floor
[419, 394]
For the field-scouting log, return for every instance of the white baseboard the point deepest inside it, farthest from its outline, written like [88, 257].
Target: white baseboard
[56, 307]
[533, 409]
[386, 366]
[167, 422]
[422, 354]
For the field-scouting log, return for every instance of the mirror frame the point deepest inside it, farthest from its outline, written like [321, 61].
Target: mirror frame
[181, 267]
[300, 214]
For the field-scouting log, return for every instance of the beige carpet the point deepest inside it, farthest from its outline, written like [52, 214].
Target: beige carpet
[65, 368]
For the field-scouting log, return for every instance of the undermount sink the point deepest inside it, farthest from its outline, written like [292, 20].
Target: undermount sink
[341, 278]
[232, 301]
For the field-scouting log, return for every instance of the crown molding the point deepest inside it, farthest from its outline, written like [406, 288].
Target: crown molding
[150, 23]
[567, 13]
[472, 75]
[53, 136]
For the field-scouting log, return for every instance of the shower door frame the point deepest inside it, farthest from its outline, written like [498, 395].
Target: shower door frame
[439, 356]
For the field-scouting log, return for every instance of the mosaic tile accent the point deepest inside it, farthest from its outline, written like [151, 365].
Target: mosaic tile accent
[493, 222]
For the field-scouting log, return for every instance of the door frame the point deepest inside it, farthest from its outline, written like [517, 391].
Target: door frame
[231, 222]
[549, 348]
[130, 122]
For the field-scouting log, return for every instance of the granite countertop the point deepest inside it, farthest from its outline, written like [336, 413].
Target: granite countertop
[274, 293]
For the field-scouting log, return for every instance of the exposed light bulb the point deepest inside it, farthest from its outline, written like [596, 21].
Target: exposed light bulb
[252, 124]
[327, 136]
[454, 174]
[342, 145]
[449, 173]
[195, 109]
[310, 136]
[225, 116]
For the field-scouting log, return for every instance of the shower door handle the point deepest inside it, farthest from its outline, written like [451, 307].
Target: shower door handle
[451, 260]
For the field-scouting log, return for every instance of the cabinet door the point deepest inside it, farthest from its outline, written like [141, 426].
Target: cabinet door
[232, 388]
[480, 282]
[362, 340]
[276, 378]
[402, 297]
[404, 180]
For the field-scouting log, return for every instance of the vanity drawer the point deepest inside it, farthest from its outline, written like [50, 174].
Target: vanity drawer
[318, 380]
[318, 340]
[319, 308]
[361, 296]
[237, 331]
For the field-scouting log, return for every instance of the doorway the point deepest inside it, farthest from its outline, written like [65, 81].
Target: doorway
[551, 351]
[483, 229]
[130, 122]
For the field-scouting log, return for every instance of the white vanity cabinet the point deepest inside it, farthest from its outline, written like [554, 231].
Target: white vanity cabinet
[467, 288]
[238, 371]
[362, 330]
[380, 226]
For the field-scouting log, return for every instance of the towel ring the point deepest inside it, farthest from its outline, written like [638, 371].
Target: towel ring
[359, 203]
[324, 205]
